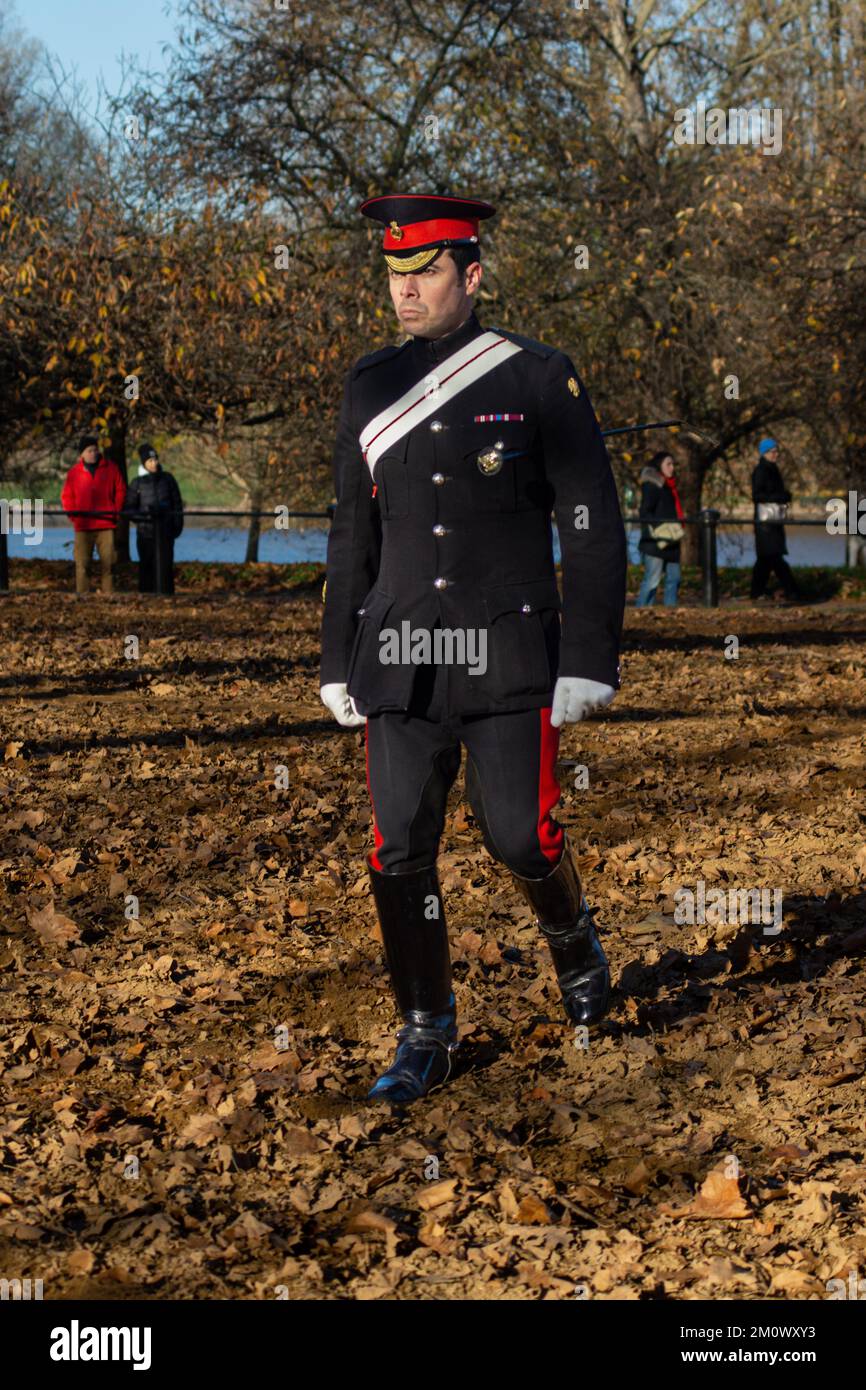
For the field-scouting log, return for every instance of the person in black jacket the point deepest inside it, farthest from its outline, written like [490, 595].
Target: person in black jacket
[154, 500]
[659, 503]
[770, 545]
[442, 619]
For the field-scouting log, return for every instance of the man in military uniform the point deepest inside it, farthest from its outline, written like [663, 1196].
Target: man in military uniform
[442, 619]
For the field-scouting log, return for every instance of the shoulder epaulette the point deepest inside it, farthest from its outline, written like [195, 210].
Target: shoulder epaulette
[540, 349]
[373, 358]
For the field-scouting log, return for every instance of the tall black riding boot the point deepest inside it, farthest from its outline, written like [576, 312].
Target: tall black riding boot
[412, 919]
[565, 919]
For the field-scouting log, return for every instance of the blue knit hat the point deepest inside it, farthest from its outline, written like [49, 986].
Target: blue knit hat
[766, 445]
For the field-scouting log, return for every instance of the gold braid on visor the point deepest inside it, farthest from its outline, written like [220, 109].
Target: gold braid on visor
[406, 264]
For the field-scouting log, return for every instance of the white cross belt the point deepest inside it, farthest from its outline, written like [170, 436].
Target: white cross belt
[451, 377]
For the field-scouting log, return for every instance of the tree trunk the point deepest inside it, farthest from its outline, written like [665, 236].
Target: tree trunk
[624, 41]
[836, 69]
[690, 485]
[254, 532]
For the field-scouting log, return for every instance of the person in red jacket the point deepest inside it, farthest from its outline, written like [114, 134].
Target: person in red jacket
[93, 484]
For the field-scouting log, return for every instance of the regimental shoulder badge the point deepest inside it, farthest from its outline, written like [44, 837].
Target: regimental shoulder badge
[324, 587]
[573, 386]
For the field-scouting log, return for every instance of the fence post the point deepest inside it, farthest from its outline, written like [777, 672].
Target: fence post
[4, 562]
[157, 548]
[709, 556]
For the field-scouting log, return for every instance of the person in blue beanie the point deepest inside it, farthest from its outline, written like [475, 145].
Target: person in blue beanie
[771, 498]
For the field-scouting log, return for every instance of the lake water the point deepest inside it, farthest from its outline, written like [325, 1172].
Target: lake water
[807, 545]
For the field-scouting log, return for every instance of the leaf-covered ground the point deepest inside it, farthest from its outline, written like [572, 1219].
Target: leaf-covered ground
[183, 1111]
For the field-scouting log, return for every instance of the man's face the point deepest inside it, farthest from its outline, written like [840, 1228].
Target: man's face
[151, 464]
[91, 454]
[772, 455]
[435, 300]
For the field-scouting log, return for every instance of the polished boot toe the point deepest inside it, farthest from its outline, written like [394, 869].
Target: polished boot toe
[425, 1047]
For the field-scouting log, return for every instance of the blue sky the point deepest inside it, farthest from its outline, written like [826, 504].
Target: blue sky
[89, 35]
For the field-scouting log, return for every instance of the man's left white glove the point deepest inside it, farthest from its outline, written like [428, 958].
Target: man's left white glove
[342, 706]
[575, 698]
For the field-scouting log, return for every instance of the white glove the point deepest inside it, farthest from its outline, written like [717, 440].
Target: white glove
[342, 706]
[574, 698]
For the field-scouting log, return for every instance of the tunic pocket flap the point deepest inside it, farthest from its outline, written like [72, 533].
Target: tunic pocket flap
[526, 597]
[396, 452]
[376, 605]
[515, 442]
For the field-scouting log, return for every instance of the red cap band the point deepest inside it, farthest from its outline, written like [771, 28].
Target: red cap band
[424, 233]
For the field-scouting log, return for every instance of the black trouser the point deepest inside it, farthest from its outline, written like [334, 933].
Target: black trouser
[511, 784]
[413, 758]
[761, 573]
[147, 563]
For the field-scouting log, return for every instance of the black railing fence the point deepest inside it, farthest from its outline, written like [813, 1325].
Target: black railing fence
[708, 522]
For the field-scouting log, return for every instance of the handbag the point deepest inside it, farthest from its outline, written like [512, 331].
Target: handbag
[668, 532]
[772, 511]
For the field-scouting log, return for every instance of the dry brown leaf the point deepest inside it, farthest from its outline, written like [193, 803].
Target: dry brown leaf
[435, 1237]
[532, 1211]
[508, 1203]
[719, 1199]
[638, 1178]
[248, 1227]
[370, 1220]
[202, 1129]
[80, 1261]
[53, 928]
[436, 1196]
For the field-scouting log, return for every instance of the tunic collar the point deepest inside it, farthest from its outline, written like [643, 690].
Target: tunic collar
[429, 351]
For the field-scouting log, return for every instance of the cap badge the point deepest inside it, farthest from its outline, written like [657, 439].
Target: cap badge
[396, 231]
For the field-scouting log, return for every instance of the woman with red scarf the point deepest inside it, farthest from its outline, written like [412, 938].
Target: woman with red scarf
[659, 504]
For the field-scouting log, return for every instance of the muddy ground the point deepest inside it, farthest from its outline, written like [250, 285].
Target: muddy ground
[183, 1111]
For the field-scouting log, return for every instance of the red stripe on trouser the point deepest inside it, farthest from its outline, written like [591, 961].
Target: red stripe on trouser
[550, 835]
[377, 838]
